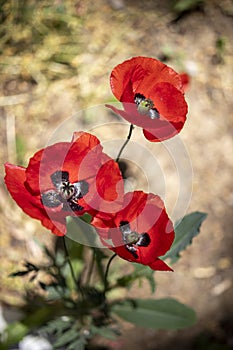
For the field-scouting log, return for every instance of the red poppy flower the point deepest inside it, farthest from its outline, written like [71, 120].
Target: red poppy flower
[140, 232]
[66, 179]
[152, 95]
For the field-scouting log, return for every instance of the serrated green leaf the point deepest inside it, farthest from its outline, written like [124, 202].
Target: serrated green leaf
[66, 338]
[57, 326]
[17, 330]
[104, 332]
[54, 292]
[140, 271]
[185, 230]
[79, 344]
[157, 314]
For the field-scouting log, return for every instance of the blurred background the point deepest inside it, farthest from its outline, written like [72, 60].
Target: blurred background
[55, 60]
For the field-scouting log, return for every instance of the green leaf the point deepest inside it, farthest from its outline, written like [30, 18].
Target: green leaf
[67, 338]
[81, 231]
[79, 344]
[17, 330]
[55, 291]
[185, 230]
[13, 334]
[157, 314]
[104, 332]
[57, 326]
[186, 5]
[140, 271]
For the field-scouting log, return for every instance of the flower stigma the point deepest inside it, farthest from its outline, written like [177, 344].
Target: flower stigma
[65, 192]
[145, 106]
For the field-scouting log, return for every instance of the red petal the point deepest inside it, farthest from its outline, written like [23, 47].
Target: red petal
[169, 102]
[106, 191]
[165, 132]
[160, 265]
[171, 106]
[140, 73]
[80, 158]
[30, 204]
[185, 78]
[164, 74]
[137, 210]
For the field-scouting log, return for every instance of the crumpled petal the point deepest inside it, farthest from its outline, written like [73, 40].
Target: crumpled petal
[155, 81]
[145, 213]
[31, 204]
[36, 189]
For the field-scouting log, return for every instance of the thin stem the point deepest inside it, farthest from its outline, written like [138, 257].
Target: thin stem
[69, 262]
[91, 267]
[106, 272]
[125, 143]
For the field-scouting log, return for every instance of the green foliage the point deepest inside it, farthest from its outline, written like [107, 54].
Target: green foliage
[140, 272]
[220, 46]
[108, 333]
[20, 150]
[17, 330]
[80, 230]
[185, 230]
[180, 6]
[84, 310]
[158, 314]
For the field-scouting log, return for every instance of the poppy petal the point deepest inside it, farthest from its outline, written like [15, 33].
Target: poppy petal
[169, 102]
[143, 72]
[160, 265]
[65, 156]
[185, 78]
[15, 181]
[107, 189]
[165, 132]
[136, 214]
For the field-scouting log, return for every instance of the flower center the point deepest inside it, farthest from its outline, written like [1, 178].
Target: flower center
[132, 238]
[66, 190]
[64, 193]
[145, 106]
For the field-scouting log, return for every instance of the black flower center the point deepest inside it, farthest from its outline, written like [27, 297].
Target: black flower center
[64, 192]
[132, 239]
[145, 106]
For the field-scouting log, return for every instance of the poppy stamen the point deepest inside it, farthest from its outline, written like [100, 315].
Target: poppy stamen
[65, 192]
[145, 106]
[132, 238]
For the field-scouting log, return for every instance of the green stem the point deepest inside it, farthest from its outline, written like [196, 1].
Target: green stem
[125, 143]
[70, 265]
[106, 272]
[91, 267]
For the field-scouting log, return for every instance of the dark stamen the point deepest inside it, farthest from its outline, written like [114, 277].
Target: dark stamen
[59, 177]
[66, 190]
[132, 238]
[144, 240]
[138, 98]
[132, 250]
[81, 188]
[145, 106]
[75, 206]
[51, 199]
[65, 193]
